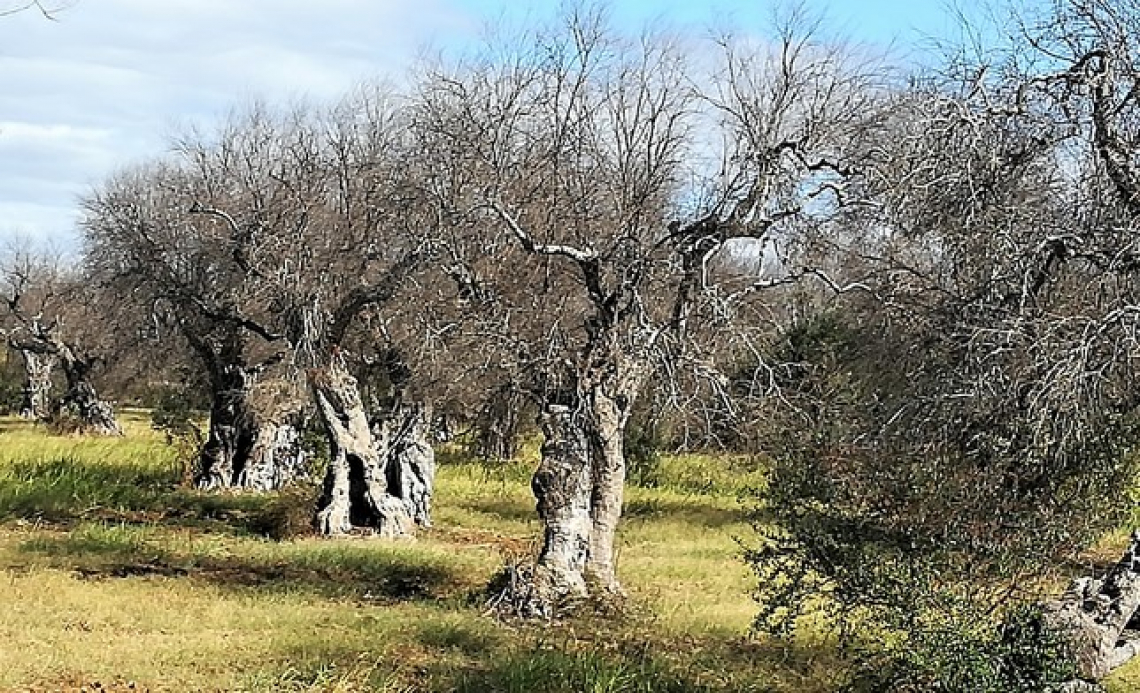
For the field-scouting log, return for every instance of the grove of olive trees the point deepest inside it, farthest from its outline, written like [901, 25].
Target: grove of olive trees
[912, 294]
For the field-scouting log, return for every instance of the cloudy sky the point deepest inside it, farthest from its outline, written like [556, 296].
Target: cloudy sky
[106, 82]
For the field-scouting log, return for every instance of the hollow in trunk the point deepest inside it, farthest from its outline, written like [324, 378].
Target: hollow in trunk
[379, 478]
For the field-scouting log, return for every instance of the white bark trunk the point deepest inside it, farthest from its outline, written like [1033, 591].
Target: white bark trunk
[607, 494]
[561, 485]
[356, 492]
[276, 458]
[35, 402]
[1094, 616]
[580, 486]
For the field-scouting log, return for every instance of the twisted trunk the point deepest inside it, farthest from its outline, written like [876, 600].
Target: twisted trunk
[81, 402]
[230, 438]
[277, 456]
[562, 485]
[379, 478]
[245, 449]
[579, 487]
[35, 397]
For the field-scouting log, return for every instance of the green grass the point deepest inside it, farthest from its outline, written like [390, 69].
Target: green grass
[113, 573]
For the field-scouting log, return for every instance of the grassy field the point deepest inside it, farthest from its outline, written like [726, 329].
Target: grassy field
[114, 578]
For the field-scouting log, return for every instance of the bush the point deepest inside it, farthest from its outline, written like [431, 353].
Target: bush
[174, 414]
[906, 514]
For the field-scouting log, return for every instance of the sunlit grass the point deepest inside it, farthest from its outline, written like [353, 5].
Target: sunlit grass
[113, 573]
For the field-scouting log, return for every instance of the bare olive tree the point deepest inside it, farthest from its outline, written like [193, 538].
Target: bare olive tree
[571, 167]
[145, 236]
[357, 235]
[51, 323]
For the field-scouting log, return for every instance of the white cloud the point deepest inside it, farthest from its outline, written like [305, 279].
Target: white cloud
[108, 82]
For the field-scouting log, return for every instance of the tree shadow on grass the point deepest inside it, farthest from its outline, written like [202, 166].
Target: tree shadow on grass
[417, 655]
[640, 663]
[694, 510]
[367, 570]
[68, 491]
[470, 654]
[503, 508]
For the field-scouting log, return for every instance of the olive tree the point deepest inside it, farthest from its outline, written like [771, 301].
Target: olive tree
[145, 236]
[571, 166]
[51, 322]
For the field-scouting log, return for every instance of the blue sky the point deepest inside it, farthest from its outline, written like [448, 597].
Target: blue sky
[109, 81]
[879, 21]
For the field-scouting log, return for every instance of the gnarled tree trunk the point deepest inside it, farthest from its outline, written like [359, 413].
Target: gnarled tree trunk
[277, 456]
[410, 465]
[378, 480]
[35, 397]
[81, 401]
[1095, 616]
[258, 451]
[579, 487]
[231, 430]
[562, 487]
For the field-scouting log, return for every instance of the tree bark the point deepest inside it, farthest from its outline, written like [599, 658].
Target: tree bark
[35, 399]
[81, 401]
[608, 487]
[276, 458]
[561, 485]
[231, 431]
[356, 488]
[246, 449]
[411, 459]
[579, 487]
[1095, 615]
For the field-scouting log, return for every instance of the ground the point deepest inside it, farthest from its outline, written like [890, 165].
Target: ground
[115, 578]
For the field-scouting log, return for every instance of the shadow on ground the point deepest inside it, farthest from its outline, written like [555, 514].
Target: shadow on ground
[368, 570]
[640, 661]
[479, 655]
[502, 508]
[67, 491]
[695, 510]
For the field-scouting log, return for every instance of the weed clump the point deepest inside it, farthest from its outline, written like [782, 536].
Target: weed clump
[288, 514]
